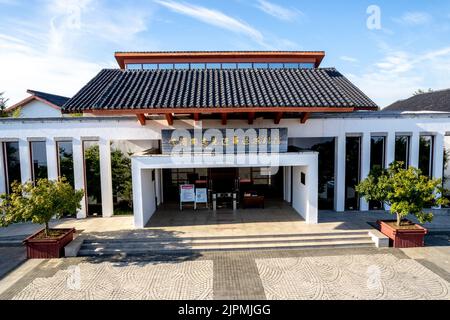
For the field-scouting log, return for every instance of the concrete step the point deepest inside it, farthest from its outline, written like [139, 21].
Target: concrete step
[101, 251]
[228, 241]
[219, 238]
[13, 241]
[135, 246]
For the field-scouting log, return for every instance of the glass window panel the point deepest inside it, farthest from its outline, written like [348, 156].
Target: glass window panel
[275, 66]
[306, 65]
[38, 160]
[92, 174]
[166, 66]
[377, 152]
[377, 157]
[402, 149]
[12, 163]
[352, 172]
[229, 66]
[291, 65]
[213, 66]
[134, 66]
[426, 155]
[244, 66]
[197, 66]
[245, 174]
[150, 66]
[260, 65]
[65, 161]
[183, 66]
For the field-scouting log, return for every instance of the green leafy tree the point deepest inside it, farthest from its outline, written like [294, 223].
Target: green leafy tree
[120, 170]
[92, 160]
[3, 102]
[39, 202]
[406, 191]
[121, 173]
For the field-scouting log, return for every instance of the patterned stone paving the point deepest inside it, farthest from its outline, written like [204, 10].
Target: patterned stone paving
[357, 273]
[381, 276]
[106, 280]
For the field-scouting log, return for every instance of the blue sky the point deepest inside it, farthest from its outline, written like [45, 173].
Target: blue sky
[59, 45]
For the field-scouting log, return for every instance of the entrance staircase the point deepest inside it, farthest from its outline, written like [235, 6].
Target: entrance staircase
[143, 246]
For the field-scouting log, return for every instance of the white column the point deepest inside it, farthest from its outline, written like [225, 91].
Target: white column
[106, 178]
[365, 165]
[161, 179]
[52, 159]
[25, 160]
[312, 179]
[414, 150]
[288, 184]
[438, 156]
[158, 186]
[2, 170]
[339, 173]
[390, 155]
[390, 149]
[79, 179]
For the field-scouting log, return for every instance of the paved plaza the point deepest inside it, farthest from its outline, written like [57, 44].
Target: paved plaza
[364, 273]
[356, 273]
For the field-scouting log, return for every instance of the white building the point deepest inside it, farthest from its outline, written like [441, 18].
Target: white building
[39, 105]
[321, 131]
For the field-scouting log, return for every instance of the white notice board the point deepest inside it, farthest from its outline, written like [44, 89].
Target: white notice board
[187, 193]
[201, 195]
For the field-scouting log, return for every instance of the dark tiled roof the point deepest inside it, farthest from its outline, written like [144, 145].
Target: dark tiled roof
[431, 101]
[147, 89]
[52, 98]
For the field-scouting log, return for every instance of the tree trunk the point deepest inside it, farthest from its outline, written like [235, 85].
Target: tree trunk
[46, 230]
[399, 220]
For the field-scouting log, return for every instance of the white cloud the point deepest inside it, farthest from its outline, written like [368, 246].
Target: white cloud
[398, 74]
[213, 17]
[72, 21]
[27, 68]
[348, 59]
[414, 18]
[60, 49]
[279, 12]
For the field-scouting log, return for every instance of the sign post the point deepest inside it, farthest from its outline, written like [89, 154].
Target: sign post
[201, 196]
[187, 194]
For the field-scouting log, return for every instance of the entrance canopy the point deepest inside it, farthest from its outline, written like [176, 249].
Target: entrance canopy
[300, 175]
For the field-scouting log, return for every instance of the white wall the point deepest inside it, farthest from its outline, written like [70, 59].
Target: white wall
[38, 109]
[305, 196]
[447, 170]
[299, 191]
[143, 196]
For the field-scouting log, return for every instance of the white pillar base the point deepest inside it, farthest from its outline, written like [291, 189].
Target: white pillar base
[79, 177]
[365, 165]
[106, 178]
[339, 173]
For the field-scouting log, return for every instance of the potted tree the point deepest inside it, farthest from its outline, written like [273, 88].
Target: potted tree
[407, 192]
[39, 202]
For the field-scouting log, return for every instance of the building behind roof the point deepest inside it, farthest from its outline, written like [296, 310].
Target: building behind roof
[39, 105]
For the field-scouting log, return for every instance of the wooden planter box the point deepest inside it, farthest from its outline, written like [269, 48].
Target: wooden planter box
[48, 248]
[253, 202]
[403, 238]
